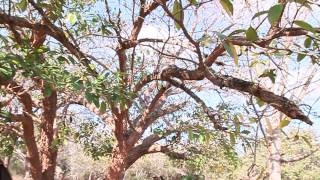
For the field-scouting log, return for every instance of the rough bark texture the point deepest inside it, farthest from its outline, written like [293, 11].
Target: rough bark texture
[47, 151]
[33, 154]
[118, 165]
[42, 159]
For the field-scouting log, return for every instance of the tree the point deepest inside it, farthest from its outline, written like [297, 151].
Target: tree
[133, 82]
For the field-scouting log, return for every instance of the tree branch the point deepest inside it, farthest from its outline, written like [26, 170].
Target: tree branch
[280, 103]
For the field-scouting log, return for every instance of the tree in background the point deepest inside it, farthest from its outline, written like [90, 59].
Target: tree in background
[141, 85]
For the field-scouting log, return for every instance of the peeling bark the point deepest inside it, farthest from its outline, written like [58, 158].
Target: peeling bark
[47, 151]
[33, 154]
[118, 166]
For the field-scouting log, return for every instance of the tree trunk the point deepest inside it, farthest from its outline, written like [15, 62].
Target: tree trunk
[47, 151]
[33, 154]
[27, 174]
[118, 165]
[274, 149]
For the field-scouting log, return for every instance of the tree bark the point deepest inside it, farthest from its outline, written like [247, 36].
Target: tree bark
[47, 151]
[118, 166]
[33, 154]
[274, 149]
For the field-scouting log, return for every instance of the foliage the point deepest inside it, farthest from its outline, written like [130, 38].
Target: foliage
[147, 87]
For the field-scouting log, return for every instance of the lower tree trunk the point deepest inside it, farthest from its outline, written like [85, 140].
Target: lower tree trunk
[27, 174]
[274, 149]
[47, 151]
[48, 154]
[33, 154]
[117, 168]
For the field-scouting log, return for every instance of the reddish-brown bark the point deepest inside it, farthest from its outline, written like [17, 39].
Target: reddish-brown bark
[118, 166]
[42, 159]
[32, 149]
[47, 151]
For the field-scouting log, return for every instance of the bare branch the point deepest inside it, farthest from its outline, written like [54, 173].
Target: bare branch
[281, 103]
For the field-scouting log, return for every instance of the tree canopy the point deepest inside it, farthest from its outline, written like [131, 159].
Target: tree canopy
[160, 76]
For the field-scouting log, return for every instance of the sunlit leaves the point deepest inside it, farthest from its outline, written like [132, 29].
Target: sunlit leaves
[202, 136]
[7, 144]
[232, 139]
[260, 102]
[96, 143]
[305, 26]
[270, 73]
[300, 57]
[205, 40]
[285, 122]
[238, 31]
[245, 132]
[92, 98]
[72, 18]
[178, 13]
[193, 2]
[251, 34]
[76, 83]
[307, 42]
[103, 107]
[227, 6]
[22, 5]
[6, 72]
[274, 13]
[230, 48]
[307, 141]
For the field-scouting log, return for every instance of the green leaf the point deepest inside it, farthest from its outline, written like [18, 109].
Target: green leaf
[103, 107]
[227, 6]
[245, 132]
[77, 84]
[221, 36]
[202, 138]
[6, 72]
[62, 59]
[72, 18]
[193, 2]
[92, 66]
[238, 31]
[307, 42]
[306, 140]
[259, 14]
[92, 98]
[260, 102]
[178, 13]
[283, 123]
[251, 34]
[232, 139]
[300, 57]
[274, 13]
[229, 47]
[270, 73]
[22, 5]
[305, 26]
[47, 91]
[205, 40]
